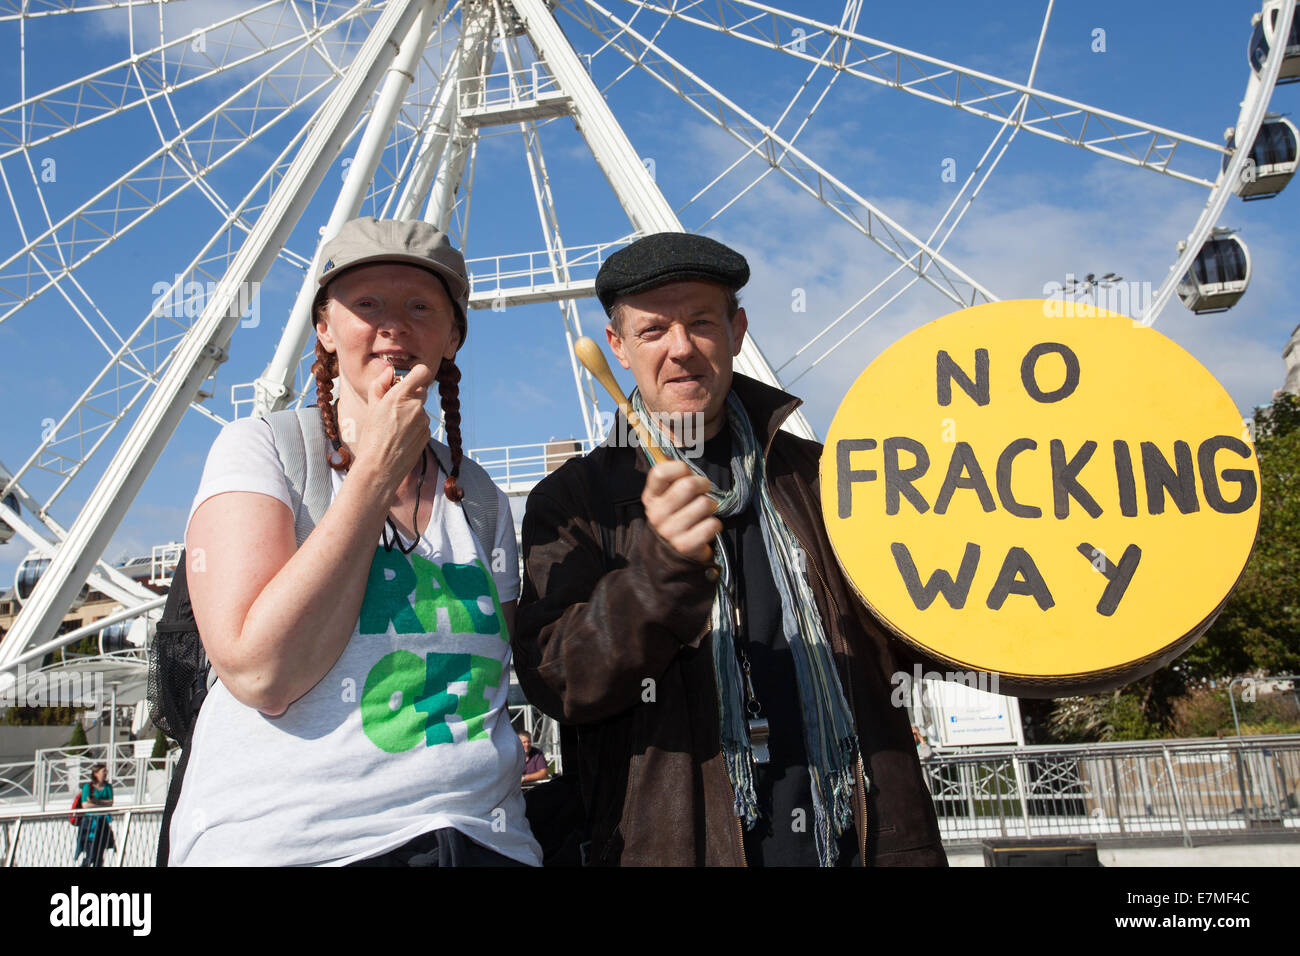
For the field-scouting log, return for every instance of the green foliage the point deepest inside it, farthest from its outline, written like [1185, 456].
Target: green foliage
[1202, 712]
[38, 716]
[1259, 628]
[78, 736]
[158, 757]
[1205, 712]
[1119, 715]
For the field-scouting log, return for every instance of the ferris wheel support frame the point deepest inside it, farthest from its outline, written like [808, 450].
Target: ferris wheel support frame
[274, 389]
[637, 191]
[797, 166]
[1259, 90]
[461, 64]
[441, 200]
[202, 348]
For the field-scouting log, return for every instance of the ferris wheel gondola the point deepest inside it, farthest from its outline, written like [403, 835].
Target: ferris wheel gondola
[1219, 274]
[1273, 159]
[128, 635]
[29, 573]
[1258, 49]
[6, 532]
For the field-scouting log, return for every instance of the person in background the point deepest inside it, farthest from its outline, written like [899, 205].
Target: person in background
[535, 766]
[923, 749]
[94, 834]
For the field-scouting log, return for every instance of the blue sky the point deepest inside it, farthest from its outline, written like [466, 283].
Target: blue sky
[1048, 210]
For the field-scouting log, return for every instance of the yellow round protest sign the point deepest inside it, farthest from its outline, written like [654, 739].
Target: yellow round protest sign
[1063, 501]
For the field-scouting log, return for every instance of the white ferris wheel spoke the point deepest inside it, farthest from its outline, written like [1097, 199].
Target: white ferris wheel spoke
[961, 203]
[152, 183]
[851, 10]
[42, 9]
[1058, 118]
[142, 78]
[145, 352]
[805, 172]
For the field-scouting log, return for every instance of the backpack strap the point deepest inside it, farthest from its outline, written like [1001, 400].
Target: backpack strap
[480, 502]
[304, 450]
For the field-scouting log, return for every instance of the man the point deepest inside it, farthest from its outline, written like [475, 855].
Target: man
[719, 675]
[535, 766]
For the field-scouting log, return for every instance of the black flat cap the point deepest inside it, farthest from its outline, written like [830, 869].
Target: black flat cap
[668, 257]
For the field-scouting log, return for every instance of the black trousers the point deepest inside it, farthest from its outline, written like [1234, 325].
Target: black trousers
[446, 847]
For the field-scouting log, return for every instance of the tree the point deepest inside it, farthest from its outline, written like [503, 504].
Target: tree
[1258, 631]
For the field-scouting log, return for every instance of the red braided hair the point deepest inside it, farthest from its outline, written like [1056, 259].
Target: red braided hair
[326, 369]
[448, 379]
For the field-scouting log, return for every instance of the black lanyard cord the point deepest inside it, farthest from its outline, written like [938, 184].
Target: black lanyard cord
[395, 539]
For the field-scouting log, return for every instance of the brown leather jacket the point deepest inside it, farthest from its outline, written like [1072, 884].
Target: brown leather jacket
[611, 638]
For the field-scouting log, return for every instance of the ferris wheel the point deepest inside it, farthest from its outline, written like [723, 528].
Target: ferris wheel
[195, 154]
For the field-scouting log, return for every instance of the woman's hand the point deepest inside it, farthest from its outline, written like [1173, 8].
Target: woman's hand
[396, 428]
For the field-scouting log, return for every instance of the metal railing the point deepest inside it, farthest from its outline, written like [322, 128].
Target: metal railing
[17, 782]
[55, 776]
[518, 271]
[508, 88]
[1163, 789]
[46, 838]
[1176, 791]
[519, 467]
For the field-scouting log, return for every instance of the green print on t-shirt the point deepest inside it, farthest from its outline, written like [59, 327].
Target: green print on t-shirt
[457, 588]
[407, 700]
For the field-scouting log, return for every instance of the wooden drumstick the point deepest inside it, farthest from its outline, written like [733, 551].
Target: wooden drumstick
[590, 355]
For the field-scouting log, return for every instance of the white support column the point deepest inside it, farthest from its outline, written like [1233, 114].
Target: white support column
[645, 205]
[476, 62]
[203, 346]
[452, 142]
[618, 160]
[463, 62]
[275, 388]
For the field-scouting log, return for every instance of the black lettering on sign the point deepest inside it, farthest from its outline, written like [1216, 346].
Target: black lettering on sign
[946, 371]
[1242, 476]
[1065, 484]
[1019, 575]
[1005, 461]
[941, 582]
[846, 476]
[1128, 499]
[1118, 575]
[899, 480]
[963, 462]
[1180, 480]
[1029, 369]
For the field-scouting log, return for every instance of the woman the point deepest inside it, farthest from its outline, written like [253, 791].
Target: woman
[94, 834]
[360, 712]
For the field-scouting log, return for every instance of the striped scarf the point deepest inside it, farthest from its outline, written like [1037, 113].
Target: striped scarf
[829, 737]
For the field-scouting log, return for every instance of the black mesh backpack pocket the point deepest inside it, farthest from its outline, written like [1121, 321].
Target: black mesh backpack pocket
[178, 665]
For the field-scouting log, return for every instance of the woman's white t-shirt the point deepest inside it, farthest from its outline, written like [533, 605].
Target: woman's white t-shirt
[407, 733]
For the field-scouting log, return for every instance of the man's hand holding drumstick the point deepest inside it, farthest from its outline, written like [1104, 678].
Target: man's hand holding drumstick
[677, 503]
